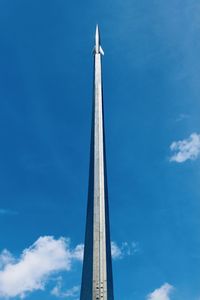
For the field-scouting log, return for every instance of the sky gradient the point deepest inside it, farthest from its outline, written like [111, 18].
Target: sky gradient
[151, 81]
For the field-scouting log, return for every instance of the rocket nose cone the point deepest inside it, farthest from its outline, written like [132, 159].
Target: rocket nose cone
[97, 29]
[97, 33]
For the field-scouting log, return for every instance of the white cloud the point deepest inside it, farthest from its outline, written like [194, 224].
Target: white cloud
[125, 249]
[32, 270]
[116, 250]
[6, 258]
[78, 252]
[162, 293]
[188, 149]
[58, 291]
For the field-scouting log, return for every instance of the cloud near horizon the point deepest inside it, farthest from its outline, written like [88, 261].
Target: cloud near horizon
[162, 293]
[36, 264]
[188, 149]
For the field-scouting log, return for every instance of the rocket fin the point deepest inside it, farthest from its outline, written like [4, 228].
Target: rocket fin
[101, 51]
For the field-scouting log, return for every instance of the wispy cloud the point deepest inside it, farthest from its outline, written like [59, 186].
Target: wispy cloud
[125, 249]
[7, 212]
[182, 117]
[6, 258]
[78, 252]
[35, 266]
[58, 290]
[162, 293]
[188, 149]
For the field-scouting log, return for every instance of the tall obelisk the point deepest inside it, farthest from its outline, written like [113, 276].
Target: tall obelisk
[97, 282]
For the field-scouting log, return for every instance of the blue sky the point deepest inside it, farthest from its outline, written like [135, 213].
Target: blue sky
[151, 73]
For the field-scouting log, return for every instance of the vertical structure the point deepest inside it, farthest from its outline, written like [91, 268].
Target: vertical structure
[97, 283]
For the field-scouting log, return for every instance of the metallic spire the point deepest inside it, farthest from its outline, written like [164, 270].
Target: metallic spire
[97, 48]
[97, 40]
[97, 283]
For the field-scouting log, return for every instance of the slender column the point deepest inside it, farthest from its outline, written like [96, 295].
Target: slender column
[97, 265]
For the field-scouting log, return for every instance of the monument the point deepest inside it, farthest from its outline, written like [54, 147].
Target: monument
[97, 281]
